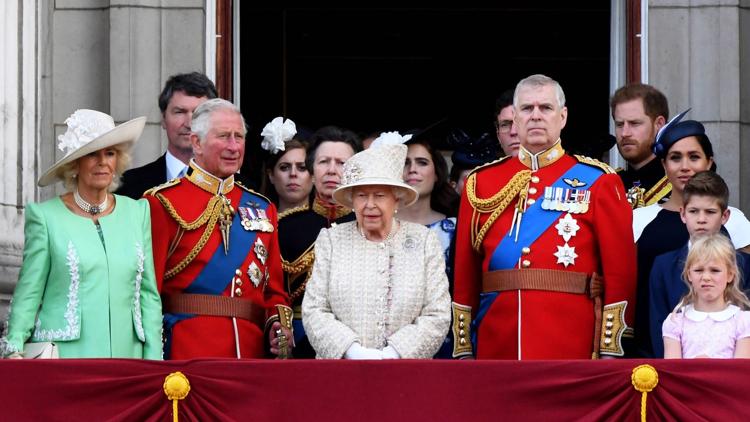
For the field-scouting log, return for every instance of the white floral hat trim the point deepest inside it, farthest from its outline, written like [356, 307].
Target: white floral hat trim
[89, 131]
[276, 133]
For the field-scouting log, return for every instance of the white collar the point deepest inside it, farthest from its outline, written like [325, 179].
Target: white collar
[698, 316]
[174, 166]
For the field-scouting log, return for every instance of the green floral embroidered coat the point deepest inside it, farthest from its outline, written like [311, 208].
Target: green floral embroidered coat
[92, 298]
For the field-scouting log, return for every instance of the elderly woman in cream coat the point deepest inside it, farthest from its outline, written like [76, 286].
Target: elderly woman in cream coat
[378, 288]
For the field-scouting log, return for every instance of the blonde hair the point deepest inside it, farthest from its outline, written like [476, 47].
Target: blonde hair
[68, 172]
[715, 247]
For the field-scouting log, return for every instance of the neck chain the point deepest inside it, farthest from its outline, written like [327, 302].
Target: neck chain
[92, 209]
[394, 229]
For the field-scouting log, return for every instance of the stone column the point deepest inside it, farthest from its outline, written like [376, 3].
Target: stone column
[61, 55]
[699, 57]
[18, 132]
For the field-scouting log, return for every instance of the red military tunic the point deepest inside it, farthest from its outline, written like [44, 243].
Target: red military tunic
[544, 324]
[255, 274]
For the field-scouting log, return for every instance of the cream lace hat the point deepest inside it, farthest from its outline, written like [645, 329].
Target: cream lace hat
[89, 131]
[381, 164]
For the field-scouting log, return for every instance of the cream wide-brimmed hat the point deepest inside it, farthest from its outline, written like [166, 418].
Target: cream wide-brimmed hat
[89, 131]
[379, 165]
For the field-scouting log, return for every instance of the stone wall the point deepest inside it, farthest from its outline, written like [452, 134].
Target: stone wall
[699, 57]
[61, 55]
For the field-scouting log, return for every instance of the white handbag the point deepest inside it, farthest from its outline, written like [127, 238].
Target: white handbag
[41, 350]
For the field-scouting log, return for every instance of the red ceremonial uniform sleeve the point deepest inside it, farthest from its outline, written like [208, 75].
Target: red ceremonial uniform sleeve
[467, 277]
[275, 293]
[163, 229]
[613, 225]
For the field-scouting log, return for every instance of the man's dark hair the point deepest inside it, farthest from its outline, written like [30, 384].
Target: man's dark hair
[504, 100]
[194, 84]
[654, 102]
[707, 183]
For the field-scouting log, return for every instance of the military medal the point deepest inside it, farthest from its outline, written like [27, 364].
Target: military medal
[265, 223]
[635, 195]
[245, 219]
[566, 255]
[547, 201]
[586, 200]
[254, 273]
[260, 251]
[567, 227]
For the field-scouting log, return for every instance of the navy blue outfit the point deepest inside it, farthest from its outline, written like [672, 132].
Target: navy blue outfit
[666, 288]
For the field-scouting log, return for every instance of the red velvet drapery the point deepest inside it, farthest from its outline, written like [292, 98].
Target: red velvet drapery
[252, 390]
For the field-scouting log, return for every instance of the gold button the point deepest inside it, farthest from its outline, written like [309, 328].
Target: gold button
[526, 263]
[462, 341]
[238, 292]
[609, 324]
[237, 272]
[238, 281]
[534, 179]
[607, 341]
[532, 191]
[531, 201]
[462, 333]
[608, 333]
[461, 317]
[526, 250]
[461, 324]
[610, 317]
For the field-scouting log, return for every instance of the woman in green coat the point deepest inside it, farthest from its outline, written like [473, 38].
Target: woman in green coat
[87, 281]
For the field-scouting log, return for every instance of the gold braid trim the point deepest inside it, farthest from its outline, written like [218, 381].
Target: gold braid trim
[495, 204]
[299, 266]
[661, 189]
[291, 211]
[209, 217]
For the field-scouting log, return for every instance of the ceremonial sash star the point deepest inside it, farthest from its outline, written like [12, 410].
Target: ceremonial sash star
[567, 227]
[566, 255]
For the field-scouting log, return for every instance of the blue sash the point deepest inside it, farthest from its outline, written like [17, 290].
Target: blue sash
[218, 272]
[536, 221]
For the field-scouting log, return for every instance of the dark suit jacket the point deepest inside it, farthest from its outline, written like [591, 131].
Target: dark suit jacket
[138, 180]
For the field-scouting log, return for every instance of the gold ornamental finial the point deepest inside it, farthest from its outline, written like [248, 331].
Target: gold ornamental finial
[644, 379]
[176, 387]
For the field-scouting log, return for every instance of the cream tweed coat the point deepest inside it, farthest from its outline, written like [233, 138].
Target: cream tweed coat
[377, 293]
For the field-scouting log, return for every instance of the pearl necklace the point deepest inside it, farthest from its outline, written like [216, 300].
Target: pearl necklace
[92, 209]
[394, 228]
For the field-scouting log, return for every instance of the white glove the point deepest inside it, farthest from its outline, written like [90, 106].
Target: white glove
[389, 352]
[356, 351]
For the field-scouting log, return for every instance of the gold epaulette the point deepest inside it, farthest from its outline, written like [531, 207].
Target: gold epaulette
[247, 189]
[294, 210]
[595, 163]
[167, 184]
[613, 329]
[491, 163]
[302, 265]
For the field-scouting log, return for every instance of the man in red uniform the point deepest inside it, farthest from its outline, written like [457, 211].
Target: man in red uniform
[216, 250]
[545, 260]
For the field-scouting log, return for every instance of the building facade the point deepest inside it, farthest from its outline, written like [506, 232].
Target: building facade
[115, 55]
